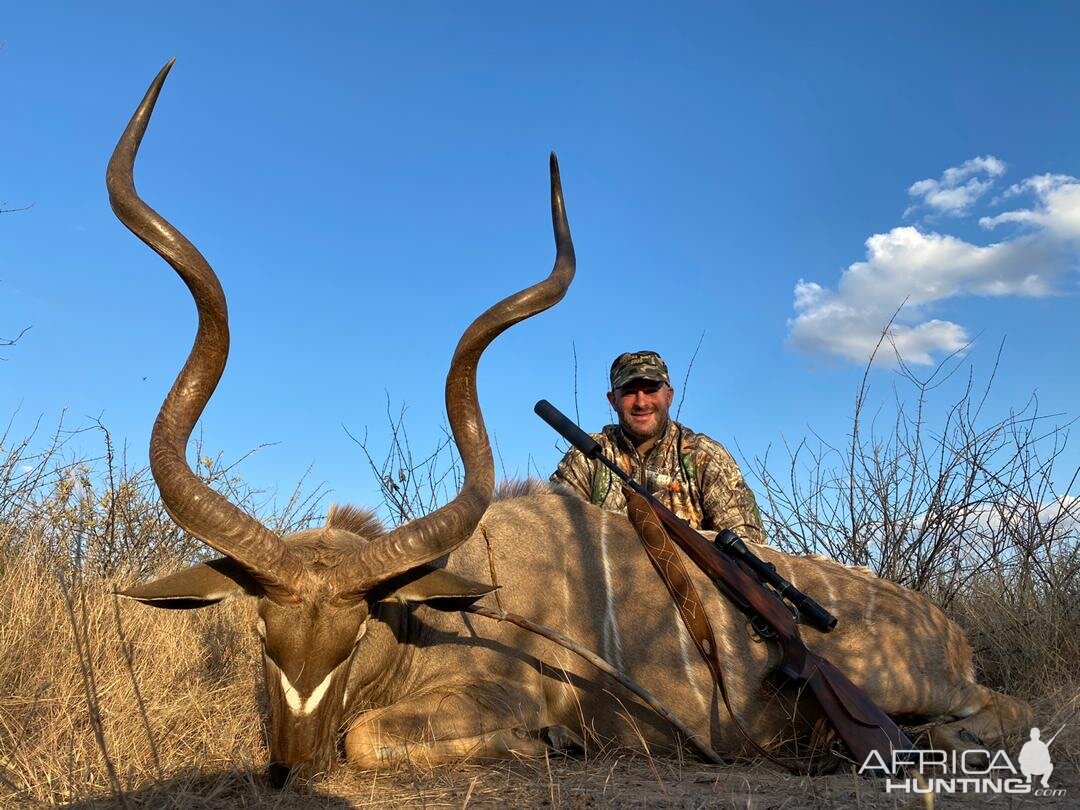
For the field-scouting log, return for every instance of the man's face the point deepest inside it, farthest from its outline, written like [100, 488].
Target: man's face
[642, 406]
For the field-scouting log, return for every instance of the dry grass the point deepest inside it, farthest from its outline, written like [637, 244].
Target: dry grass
[166, 690]
[103, 697]
[110, 704]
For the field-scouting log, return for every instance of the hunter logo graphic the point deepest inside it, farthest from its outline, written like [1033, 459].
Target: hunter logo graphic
[1035, 758]
[976, 770]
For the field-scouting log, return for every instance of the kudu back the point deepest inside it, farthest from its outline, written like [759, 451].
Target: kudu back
[359, 626]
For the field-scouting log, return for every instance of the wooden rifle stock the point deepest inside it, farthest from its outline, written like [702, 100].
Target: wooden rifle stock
[861, 725]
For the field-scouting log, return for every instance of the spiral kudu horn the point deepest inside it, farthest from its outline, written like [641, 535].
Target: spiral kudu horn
[434, 535]
[189, 500]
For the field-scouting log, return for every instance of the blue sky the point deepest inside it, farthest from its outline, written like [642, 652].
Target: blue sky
[367, 179]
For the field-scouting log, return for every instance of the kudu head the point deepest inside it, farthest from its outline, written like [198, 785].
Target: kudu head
[315, 589]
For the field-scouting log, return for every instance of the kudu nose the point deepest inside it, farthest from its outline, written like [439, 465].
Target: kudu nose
[278, 774]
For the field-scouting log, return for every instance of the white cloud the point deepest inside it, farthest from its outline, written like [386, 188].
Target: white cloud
[914, 270]
[959, 187]
[1056, 210]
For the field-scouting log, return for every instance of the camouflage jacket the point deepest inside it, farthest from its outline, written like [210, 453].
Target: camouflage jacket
[688, 472]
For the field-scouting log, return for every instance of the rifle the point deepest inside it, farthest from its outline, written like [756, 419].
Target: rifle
[764, 596]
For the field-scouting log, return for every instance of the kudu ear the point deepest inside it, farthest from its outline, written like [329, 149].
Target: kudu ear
[440, 589]
[195, 587]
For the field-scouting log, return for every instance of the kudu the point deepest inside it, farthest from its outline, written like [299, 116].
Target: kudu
[361, 629]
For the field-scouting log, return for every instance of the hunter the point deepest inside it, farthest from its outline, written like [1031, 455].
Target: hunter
[690, 473]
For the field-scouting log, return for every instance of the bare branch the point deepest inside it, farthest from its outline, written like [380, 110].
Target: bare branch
[686, 377]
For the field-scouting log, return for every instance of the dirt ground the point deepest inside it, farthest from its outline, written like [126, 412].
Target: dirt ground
[611, 780]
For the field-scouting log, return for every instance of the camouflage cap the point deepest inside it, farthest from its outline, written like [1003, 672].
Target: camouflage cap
[643, 365]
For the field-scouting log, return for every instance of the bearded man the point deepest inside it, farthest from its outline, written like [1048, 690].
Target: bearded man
[688, 472]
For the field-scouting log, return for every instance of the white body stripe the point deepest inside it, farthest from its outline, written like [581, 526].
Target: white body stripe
[609, 636]
[869, 611]
[690, 656]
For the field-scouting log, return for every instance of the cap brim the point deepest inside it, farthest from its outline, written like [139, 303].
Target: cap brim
[653, 376]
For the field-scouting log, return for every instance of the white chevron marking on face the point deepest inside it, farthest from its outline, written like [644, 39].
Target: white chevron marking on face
[298, 704]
